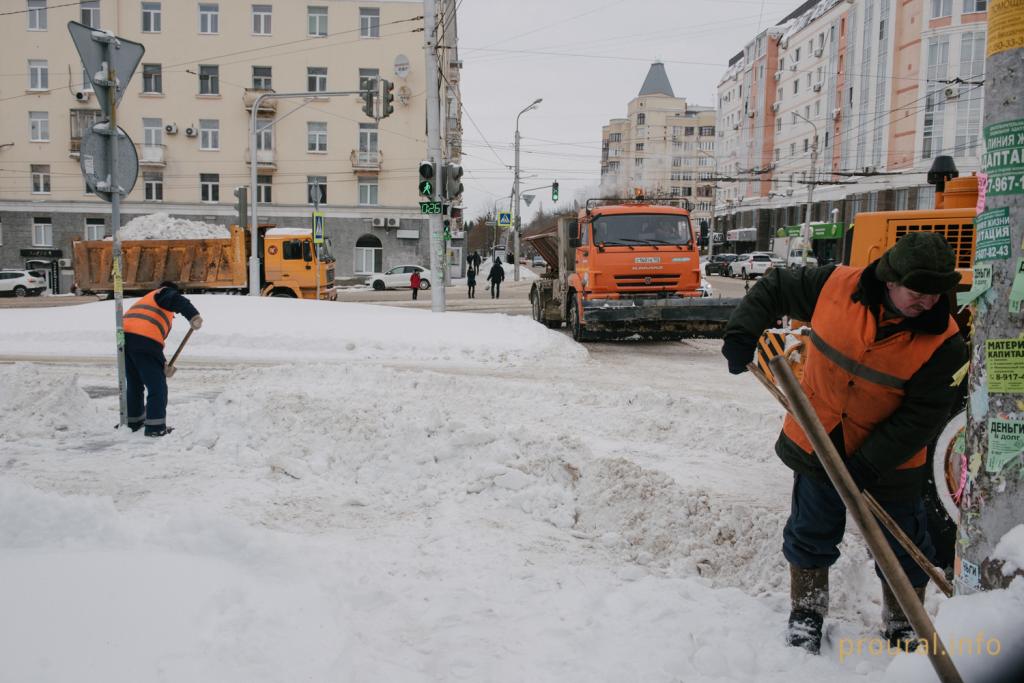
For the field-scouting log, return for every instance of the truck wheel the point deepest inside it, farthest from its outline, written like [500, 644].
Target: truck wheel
[20, 291]
[575, 325]
[378, 285]
[283, 293]
[535, 300]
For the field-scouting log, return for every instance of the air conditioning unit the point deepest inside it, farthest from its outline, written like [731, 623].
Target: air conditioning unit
[951, 92]
[171, 129]
[392, 222]
[735, 126]
[816, 87]
[817, 53]
[775, 106]
[836, 113]
[82, 95]
[64, 262]
[377, 222]
[869, 170]
[778, 75]
[751, 114]
[191, 132]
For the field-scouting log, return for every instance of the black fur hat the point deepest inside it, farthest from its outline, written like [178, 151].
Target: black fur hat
[921, 261]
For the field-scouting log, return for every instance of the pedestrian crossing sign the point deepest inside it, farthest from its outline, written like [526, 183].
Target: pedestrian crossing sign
[318, 227]
[504, 219]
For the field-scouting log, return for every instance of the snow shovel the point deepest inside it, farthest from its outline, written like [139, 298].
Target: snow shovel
[170, 369]
[800, 408]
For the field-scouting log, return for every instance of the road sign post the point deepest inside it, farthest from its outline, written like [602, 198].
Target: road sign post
[318, 239]
[109, 64]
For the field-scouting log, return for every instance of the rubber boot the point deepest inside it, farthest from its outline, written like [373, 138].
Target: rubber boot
[808, 591]
[896, 627]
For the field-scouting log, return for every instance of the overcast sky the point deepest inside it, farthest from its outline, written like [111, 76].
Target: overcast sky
[587, 59]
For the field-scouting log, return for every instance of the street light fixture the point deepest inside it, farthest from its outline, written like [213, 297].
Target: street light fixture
[518, 221]
[714, 201]
[805, 232]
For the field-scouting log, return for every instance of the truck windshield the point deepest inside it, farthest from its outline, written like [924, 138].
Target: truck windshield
[324, 252]
[645, 228]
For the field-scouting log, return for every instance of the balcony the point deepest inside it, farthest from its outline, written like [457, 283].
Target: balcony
[366, 161]
[250, 95]
[152, 155]
[75, 150]
[265, 159]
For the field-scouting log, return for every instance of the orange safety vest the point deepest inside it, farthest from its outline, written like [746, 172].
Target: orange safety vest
[849, 377]
[147, 318]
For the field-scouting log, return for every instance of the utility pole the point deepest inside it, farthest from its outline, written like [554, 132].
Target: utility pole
[438, 248]
[806, 231]
[517, 223]
[993, 498]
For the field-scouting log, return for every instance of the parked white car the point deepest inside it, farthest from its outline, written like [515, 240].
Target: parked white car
[398, 278]
[21, 282]
[748, 266]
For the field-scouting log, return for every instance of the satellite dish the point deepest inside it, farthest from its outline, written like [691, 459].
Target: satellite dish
[401, 66]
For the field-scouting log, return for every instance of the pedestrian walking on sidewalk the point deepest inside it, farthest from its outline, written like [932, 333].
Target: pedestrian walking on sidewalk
[146, 326]
[880, 378]
[471, 283]
[495, 277]
[414, 282]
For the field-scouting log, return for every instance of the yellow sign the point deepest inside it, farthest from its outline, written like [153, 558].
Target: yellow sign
[1005, 26]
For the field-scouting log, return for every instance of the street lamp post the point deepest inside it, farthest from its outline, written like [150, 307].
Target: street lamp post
[714, 201]
[517, 224]
[806, 230]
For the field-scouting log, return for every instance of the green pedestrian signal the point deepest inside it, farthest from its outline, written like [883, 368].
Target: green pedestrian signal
[554, 191]
[427, 173]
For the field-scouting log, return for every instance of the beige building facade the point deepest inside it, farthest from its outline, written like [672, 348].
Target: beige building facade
[187, 110]
[664, 146]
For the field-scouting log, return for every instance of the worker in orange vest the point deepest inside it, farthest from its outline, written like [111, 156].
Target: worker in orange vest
[146, 326]
[879, 373]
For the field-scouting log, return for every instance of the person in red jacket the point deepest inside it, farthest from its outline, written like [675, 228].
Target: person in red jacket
[146, 325]
[414, 282]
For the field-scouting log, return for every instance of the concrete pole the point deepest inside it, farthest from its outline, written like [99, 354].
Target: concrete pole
[518, 206]
[993, 499]
[438, 248]
[115, 230]
[806, 231]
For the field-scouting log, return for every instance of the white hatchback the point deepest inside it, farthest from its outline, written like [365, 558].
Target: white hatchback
[398, 278]
[752, 265]
[21, 282]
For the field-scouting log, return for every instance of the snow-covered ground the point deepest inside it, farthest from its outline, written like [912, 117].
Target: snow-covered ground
[365, 493]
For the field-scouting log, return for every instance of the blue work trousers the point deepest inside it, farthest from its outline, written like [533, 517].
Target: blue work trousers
[145, 371]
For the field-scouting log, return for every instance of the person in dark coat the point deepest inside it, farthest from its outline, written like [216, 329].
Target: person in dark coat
[146, 326]
[495, 277]
[880, 378]
[414, 283]
[476, 261]
[471, 283]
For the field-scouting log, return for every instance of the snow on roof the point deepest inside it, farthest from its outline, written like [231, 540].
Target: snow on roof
[798, 23]
[161, 226]
[280, 232]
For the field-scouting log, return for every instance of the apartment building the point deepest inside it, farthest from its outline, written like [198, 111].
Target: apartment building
[858, 88]
[188, 108]
[663, 145]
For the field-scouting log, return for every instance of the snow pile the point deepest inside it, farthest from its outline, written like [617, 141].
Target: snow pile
[161, 226]
[45, 406]
[1010, 550]
[509, 268]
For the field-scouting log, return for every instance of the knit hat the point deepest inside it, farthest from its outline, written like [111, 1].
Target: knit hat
[921, 261]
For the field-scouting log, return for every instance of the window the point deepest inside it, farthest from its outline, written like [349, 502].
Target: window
[152, 131]
[154, 186]
[151, 17]
[316, 136]
[264, 186]
[689, 130]
[209, 18]
[970, 98]
[796, 85]
[615, 137]
[776, 154]
[941, 8]
[42, 232]
[641, 119]
[368, 143]
[209, 134]
[807, 145]
[638, 162]
[95, 228]
[291, 250]
[316, 185]
[36, 15]
[152, 79]
[209, 79]
[972, 6]
[367, 191]
[316, 18]
[261, 19]
[38, 74]
[796, 55]
[265, 133]
[778, 94]
[817, 108]
[316, 79]
[40, 179]
[778, 125]
[639, 147]
[792, 150]
[39, 126]
[934, 108]
[209, 187]
[261, 78]
[91, 13]
[677, 162]
[368, 255]
[707, 130]
[369, 22]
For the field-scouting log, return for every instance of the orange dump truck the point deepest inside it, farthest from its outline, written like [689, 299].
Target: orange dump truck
[624, 268]
[289, 265]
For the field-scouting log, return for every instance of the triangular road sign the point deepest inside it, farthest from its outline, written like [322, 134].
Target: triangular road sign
[92, 46]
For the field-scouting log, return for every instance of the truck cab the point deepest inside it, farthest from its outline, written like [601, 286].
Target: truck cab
[292, 262]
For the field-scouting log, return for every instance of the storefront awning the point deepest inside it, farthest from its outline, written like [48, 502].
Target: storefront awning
[741, 235]
[819, 231]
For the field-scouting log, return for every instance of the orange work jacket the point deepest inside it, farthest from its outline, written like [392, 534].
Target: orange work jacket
[849, 377]
[147, 318]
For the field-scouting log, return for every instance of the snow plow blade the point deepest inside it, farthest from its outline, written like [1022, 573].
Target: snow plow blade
[675, 318]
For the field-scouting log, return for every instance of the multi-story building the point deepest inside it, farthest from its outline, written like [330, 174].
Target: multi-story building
[664, 145]
[188, 108]
[862, 95]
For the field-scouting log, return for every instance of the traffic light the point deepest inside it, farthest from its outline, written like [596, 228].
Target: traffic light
[367, 86]
[554, 191]
[387, 98]
[427, 175]
[242, 205]
[702, 240]
[452, 181]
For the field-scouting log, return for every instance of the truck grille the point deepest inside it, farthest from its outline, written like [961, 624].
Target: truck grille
[960, 236]
[330, 271]
[653, 281]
